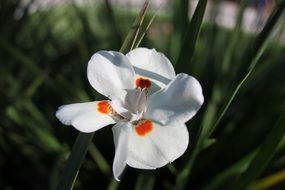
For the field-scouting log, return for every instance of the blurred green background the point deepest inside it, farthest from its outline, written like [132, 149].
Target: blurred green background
[44, 54]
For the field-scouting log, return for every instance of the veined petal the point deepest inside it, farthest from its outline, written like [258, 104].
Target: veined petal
[86, 117]
[152, 65]
[178, 102]
[157, 145]
[110, 72]
[121, 136]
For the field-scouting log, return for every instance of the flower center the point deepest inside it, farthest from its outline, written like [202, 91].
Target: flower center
[133, 106]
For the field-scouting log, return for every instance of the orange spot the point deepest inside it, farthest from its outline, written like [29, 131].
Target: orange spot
[143, 83]
[104, 107]
[144, 128]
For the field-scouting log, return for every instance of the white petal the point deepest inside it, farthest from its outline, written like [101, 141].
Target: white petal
[109, 72]
[178, 102]
[85, 117]
[121, 135]
[162, 145]
[152, 65]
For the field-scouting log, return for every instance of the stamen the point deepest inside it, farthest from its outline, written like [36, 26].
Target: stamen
[104, 107]
[143, 83]
[144, 127]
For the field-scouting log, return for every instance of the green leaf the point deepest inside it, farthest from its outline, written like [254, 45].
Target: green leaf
[145, 181]
[99, 159]
[251, 57]
[238, 167]
[132, 35]
[146, 29]
[208, 143]
[236, 34]
[75, 160]
[191, 36]
[263, 156]
[270, 181]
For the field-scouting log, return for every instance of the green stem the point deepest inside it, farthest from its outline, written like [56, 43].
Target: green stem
[75, 160]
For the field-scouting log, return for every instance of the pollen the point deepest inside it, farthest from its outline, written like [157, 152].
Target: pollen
[104, 107]
[143, 83]
[144, 127]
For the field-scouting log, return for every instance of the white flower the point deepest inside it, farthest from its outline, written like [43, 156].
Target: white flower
[146, 100]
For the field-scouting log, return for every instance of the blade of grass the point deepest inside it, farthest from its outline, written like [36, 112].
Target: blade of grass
[251, 58]
[20, 56]
[145, 181]
[75, 161]
[180, 17]
[191, 36]
[146, 29]
[179, 22]
[235, 168]
[185, 56]
[257, 44]
[99, 159]
[113, 24]
[83, 140]
[263, 156]
[235, 37]
[113, 185]
[269, 181]
[133, 33]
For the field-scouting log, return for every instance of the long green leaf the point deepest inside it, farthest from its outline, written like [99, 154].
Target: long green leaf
[146, 29]
[191, 36]
[263, 156]
[235, 168]
[252, 56]
[99, 159]
[20, 56]
[113, 23]
[145, 181]
[75, 161]
[130, 40]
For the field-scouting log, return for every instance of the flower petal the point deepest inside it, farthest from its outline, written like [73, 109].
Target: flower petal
[109, 72]
[152, 65]
[85, 117]
[158, 147]
[121, 135]
[178, 102]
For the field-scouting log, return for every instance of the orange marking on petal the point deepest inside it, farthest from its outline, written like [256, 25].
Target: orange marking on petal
[104, 107]
[143, 83]
[144, 128]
